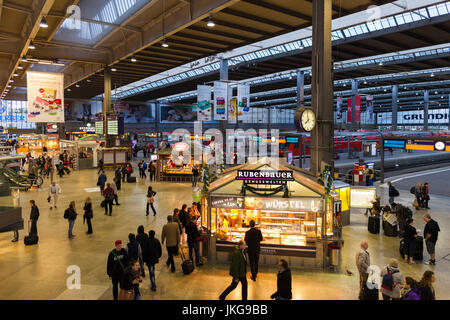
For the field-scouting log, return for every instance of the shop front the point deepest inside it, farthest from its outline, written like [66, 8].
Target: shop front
[35, 144]
[83, 153]
[177, 169]
[290, 208]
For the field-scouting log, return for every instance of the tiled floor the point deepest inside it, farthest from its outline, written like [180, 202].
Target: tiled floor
[39, 272]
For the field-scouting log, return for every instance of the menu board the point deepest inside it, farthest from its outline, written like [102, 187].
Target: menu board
[99, 127]
[113, 127]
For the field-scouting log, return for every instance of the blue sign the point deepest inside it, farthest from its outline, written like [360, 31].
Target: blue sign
[291, 139]
[401, 144]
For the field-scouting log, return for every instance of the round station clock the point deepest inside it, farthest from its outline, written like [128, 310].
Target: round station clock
[439, 146]
[305, 119]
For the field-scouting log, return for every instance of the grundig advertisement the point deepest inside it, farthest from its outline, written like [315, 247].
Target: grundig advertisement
[45, 96]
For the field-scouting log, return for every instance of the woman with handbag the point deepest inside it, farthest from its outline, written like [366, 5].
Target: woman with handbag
[88, 214]
[425, 195]
[150, 200]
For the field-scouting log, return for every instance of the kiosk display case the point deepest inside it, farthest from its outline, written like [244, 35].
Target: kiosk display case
[295, 215]
[167, 169]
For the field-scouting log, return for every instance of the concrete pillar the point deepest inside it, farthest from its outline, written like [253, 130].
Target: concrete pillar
[354, 93]
[322, 87]
[426, 102]
[106, 103]
[224, 77]
[394, 106]
[300, 88]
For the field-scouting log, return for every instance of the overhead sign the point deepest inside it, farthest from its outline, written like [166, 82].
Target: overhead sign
[45, 93]
[265, 176]
[203, 103]
[401, 144]
[278, 204]
[362, 198]
[220, 100]
[427, 145]
[243, 100]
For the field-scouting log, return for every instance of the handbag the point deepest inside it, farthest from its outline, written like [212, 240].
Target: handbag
[415, 203]
[151, 199]
[48, 199]
[103, 204]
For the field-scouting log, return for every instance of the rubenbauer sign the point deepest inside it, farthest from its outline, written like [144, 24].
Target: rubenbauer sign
[265, 176]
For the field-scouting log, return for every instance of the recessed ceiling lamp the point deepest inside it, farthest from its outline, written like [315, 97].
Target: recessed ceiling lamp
[365, 82]
[43, 23]
[31, 45]
[133, 59]
[164, 43]
[68, 89]
[210, 22]
[77, 85]
[113, 69]
[442, 97]
[88, 80]
[435, 92]
[16, 74]
[11, 80]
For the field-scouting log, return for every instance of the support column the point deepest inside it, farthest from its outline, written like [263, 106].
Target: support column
[106, 104]
[354, 93]
[394, 106]
[426, 102]
[158, 137]
[224, 77]
[300, 88]
[322, 87]
[448, 116]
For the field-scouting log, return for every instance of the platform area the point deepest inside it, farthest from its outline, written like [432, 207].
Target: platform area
[39, 272]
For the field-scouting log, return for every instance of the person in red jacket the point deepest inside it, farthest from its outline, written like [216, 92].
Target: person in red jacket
[109, 197]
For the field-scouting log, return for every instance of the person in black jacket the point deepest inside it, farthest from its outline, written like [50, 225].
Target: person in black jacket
[192, 235]
[253, 237]
[410, 236]
[392, 193]
[70, 214]
[117, 178]
[150, 200]
[142, 239]
[134, 250]
[34, 216]
[117, 262]
[426, 286]
[153, 252]
[129, 283]
[182, 220]
[284, 282]
[88, 214]
[431, 236]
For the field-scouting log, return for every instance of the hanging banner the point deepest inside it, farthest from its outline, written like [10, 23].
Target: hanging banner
[45, 96]
[203, 103]
[349, 110]
[357, 109]
[339, 109]
[369, 109]
[243, 99]
[220, 100]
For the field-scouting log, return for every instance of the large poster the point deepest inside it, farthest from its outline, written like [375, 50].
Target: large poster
[339, 109]
[243, 100]
[45, 96]
[178, 113]
[220, 100]
[203, 103]
[349, 110]
[369, 109]
[357, 109]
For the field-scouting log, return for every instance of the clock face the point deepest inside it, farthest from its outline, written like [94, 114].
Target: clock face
[439, 146]
[308, 120]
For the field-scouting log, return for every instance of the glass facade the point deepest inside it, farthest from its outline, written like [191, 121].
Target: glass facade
[14, 114]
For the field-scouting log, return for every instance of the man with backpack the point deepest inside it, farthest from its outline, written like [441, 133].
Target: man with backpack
[117, 262]
[391, 281]
[393, 192]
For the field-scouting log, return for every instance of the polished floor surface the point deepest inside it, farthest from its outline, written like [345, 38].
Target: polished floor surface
[40, 272]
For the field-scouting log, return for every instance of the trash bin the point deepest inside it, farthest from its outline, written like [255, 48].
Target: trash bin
[335, 254]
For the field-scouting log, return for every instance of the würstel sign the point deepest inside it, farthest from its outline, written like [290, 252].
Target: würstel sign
[265, 176]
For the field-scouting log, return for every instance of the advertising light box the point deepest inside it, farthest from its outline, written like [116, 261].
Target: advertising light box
[362, 198]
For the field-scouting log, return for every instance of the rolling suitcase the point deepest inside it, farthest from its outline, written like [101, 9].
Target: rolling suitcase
[389, 229]
[373, 224]
[131, 179]
[418, 255]
[30, 239]
[187, 265]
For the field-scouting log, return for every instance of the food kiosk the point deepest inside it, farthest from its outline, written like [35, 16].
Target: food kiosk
[289, 206]
[35, 143]
[168, 169]
[113, 157]
[83, 153]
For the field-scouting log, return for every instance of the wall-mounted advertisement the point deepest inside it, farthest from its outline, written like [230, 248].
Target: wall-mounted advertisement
[243, 100]
[13, 114]
[369, 109]
[45, 96]
[416, 116]
[349, 110]
[220, 100]
[362, 198]
[203, 103]
[357, 109]
[339, 109]
[178, 113]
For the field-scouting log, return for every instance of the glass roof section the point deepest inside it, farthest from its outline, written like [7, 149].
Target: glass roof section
[347, 32]
[98, 18]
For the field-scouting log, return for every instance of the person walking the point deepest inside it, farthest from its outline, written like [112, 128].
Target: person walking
[134, 251]
[431, 236]
[411, 290]
[140, 165]
[418, 194]
[34, 216]
[150, 200]
[101, 181]
[426, 286]
[101, 166]
[124, 172]
[152, 171]
[71, 215]
[393, 192]
[116, 195]
[117, 262]
[182, 219]
[171, 236]
[192, 240]
[108, 193]
[392, 280]
[362, 264]
[117, 179]
[194, 176]
[144, 168]
[410, 236]
[153, 252]
[88, 214]
[284, 282]
[129, 283]
[238, 271]
[129, 171]
[53, 192]
[253, 238]
[425, 195]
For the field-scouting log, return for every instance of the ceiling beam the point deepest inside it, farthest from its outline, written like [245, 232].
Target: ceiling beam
[221, 33]
[242, 27]
[276, 8]
[258, 19]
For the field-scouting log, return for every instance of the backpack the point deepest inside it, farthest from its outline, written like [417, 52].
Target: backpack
[412, 190]
[396, 193]
[388, 280]
[66, 214]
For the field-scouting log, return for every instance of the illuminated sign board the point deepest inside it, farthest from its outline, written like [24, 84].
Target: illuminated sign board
[395, 144]
[227, 202]
[276, 204]
[265, 176]
[291, 139]
[113, 127]
[362, 197]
